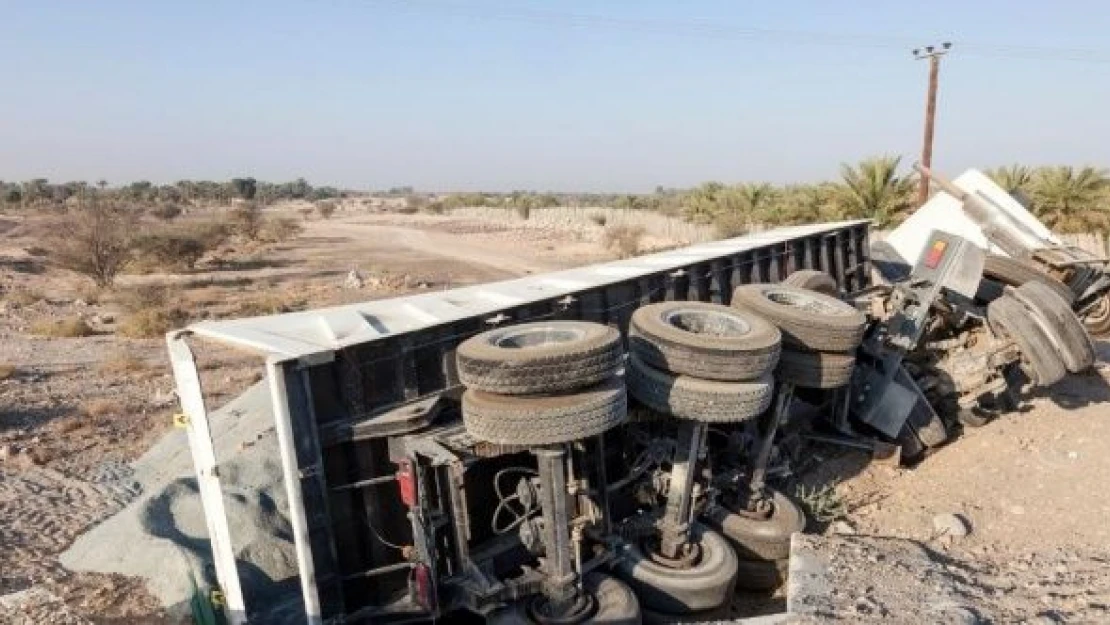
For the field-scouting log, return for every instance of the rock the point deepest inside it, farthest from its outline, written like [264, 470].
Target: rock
[6, 451]
[1017, 509]
[353, 280]
[843, 528]
[953, 525]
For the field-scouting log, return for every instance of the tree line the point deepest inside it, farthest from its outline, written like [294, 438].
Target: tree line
[42, 192]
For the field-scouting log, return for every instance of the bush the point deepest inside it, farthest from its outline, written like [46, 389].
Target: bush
[94, 241]
[271, 305]
[22, 297]
[246, 220]
[326, 208]
[165, 211]
[731, 224]
[524, 211]
[102, 407]
[62, 328]
[169, 251]
[143, 297]
[279, 229]
[624, 240]
[152, 322]
[123, 362]
[599, 219]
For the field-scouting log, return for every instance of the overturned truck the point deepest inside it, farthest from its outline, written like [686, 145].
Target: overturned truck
[600, 445]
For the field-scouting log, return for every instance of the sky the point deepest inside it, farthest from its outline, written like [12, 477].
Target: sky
[571, 95]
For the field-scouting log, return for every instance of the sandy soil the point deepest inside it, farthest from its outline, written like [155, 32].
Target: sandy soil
[75, 411]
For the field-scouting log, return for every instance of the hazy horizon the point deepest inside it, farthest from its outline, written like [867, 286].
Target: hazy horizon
[364, 94]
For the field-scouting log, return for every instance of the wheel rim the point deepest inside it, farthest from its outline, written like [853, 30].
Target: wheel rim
[532, 338]
[707, 322]
[806, 302]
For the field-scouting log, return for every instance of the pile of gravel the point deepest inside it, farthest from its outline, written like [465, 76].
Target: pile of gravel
[162, 534]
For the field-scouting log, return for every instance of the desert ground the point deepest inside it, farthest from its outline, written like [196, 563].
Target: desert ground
[74, 412]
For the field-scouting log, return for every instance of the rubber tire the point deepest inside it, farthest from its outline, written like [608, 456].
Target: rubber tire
[756, 539]
[705, 586]
[484, 365]
[1060, 323]
[716, 615]
[814, 281]
[736, 357]
[1009, 317]
[616, 604]
[821, 370]
[685, 397]
[1016, 272]
[839, 328]
[762, 575]
[544, 420]
[912, 449]
[1098, 325]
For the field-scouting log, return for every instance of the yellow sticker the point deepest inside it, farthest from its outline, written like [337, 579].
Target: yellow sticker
[181, 420]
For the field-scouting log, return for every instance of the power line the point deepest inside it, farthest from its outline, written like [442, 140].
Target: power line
[706, 29]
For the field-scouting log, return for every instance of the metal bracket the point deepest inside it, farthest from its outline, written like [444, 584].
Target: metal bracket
[195, 418]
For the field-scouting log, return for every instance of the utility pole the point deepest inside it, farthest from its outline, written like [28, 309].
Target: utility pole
[933, 54]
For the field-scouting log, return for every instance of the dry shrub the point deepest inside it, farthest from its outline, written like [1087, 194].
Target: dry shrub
[326, 208]
[279, 229]
[731, 224]
[168, 251]
[101, 407]
[23, 297]
[123, 362]
[271, 305]
[62, 328]
[624, 240]
[599, 219]
[246, 220]
[6, 371]
[94, 241]
[166, 211]
[149, 323]
[90, 294]
[143, 297]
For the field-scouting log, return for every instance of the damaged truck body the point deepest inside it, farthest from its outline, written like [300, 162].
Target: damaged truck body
[607, 444]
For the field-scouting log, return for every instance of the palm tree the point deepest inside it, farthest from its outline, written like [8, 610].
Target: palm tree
[1013, 178]
[874, 190]
[1071, 200]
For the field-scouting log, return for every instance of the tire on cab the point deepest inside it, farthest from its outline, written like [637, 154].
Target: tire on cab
[814, 281]
[695, 399]
[1059, 323]
[706, 585]
[544, 420]
[707, 341]
[807, 319]
[615, 601]
[1040, 357]
[542, 357]
[1016, 272]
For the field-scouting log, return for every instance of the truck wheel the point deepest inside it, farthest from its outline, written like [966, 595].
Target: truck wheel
[807, 319]
[912, 449]
[1040, 358]
[705, 585]
[615, 603]
[762, 575]
[814, 281]
[544, 420]
[716, 615]
[1060, 323]
[815, 369]
[1097, 320]
[1016, 272]
[708, 341]
[760, 538]
[685, 397]
[544, 357]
